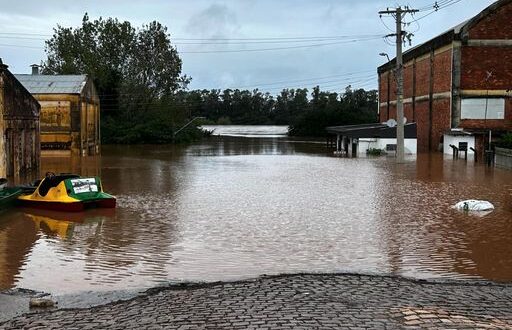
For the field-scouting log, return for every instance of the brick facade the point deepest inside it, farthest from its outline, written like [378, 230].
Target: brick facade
[427, 81]
[452, 66]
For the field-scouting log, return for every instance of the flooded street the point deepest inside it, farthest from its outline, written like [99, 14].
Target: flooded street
[235, 207]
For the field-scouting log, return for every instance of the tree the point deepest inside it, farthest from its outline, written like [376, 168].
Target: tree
[134, 70]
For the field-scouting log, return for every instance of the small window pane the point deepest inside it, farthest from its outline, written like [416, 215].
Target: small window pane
[476, 108]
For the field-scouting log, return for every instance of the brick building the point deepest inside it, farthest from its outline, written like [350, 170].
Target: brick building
[458, 85]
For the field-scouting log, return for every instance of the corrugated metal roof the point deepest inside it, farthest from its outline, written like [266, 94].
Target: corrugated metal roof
[53, 84]
[376, 130]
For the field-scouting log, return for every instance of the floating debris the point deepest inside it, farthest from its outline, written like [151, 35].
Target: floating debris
[473, 205]
[41, 303]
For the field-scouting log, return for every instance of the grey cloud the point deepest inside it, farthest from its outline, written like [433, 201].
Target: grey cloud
[215, 21]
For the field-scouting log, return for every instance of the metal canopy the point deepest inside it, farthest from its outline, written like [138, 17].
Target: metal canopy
[376, 130]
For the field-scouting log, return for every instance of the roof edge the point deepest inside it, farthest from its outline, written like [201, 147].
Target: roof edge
[480, 16]
[456, 33]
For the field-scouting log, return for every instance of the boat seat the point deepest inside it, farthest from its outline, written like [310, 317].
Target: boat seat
[53, 181]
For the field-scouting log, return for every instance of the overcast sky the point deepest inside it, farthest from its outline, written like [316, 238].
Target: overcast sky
[333, 66]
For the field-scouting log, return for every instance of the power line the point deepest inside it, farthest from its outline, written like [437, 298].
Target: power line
[351, 80]
[241, 50]
[225, 39]
[278, 48]
[436, 5]
[307, 79]
[21, 46]
[435, 10]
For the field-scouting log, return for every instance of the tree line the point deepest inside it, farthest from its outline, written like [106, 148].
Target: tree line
[144, 96]
[306, 113]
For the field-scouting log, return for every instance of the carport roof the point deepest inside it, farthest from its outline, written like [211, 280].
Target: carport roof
[376, 130]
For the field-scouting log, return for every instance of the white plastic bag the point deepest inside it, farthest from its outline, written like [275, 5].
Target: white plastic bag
[473, 205]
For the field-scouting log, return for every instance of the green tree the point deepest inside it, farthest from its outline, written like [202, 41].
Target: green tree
[136, 72]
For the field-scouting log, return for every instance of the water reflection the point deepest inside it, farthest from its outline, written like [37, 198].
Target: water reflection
[232, 207]
[67, 225]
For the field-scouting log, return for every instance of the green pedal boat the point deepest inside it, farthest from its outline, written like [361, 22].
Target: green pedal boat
[68, 192]
[8, 195]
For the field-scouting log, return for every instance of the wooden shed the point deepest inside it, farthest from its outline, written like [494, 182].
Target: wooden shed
[19, 124]
[70, 113]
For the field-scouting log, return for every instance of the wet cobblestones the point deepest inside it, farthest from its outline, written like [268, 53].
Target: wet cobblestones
[296, 302]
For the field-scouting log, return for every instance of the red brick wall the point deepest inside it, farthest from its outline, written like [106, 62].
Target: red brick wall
[441, 116]
[408, 80]
[383, 87]
[441, 121]
[443, 72]
[408, 112]
[422, 120]
[392, 111]
[494, 26]
[423, 77]
[383, 113]
[476, 61]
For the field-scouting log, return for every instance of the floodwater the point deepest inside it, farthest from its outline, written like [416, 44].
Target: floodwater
[237, 207]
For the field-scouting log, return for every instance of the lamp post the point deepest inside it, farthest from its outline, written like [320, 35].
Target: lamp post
[386, 55]
[489, 151]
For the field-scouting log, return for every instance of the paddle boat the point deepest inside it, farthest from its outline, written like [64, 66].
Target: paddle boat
[68, 192]
[8, 195]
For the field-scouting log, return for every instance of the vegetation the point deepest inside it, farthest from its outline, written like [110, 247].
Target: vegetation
[307, 115]
[144, 96]
[375, 152]
[136, 73]
[505, 141]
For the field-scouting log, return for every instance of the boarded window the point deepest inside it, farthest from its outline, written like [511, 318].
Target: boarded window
[55, 115]
[483, 108]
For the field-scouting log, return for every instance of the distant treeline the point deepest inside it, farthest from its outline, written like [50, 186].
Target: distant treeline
[307, 114]
[144, 96]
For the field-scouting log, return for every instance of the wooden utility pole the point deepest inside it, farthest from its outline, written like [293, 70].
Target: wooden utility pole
[398, 14]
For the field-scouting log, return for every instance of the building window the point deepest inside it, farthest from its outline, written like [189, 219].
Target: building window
[482, 108]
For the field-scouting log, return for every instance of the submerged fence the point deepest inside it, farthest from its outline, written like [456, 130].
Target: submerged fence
[504, 158]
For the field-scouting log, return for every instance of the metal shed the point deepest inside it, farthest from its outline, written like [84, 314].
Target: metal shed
[70, 112]
[19, 127]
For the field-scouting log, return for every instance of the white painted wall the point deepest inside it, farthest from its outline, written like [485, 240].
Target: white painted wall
[450, 139]
[411, 145]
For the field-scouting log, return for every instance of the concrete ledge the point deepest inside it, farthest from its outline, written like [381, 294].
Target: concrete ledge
[504, 158]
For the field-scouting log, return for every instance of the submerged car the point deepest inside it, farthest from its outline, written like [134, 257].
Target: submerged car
[68, 192]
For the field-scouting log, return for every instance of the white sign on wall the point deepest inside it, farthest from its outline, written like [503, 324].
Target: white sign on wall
[84, 185]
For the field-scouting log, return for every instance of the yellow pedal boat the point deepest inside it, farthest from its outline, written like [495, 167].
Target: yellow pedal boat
[68, 192]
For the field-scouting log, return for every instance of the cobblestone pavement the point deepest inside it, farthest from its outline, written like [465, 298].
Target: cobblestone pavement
[296, 302]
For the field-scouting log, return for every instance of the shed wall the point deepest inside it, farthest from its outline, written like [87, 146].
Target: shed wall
[20, 128]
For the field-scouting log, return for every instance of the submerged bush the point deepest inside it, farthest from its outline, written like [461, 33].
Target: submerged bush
[375, 152]
[505, 141]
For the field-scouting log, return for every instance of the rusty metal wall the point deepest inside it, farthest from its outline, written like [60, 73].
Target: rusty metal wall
[20, 127]
[70, 123]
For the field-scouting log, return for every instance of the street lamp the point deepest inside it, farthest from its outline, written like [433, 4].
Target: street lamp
[386, 55]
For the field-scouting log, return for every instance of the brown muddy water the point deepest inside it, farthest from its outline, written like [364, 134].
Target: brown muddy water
[238, 207]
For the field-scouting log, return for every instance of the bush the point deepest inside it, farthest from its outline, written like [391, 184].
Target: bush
[224, 121]
[375, 152]
[505, 141]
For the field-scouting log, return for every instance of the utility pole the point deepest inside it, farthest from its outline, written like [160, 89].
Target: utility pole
[399, 14]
